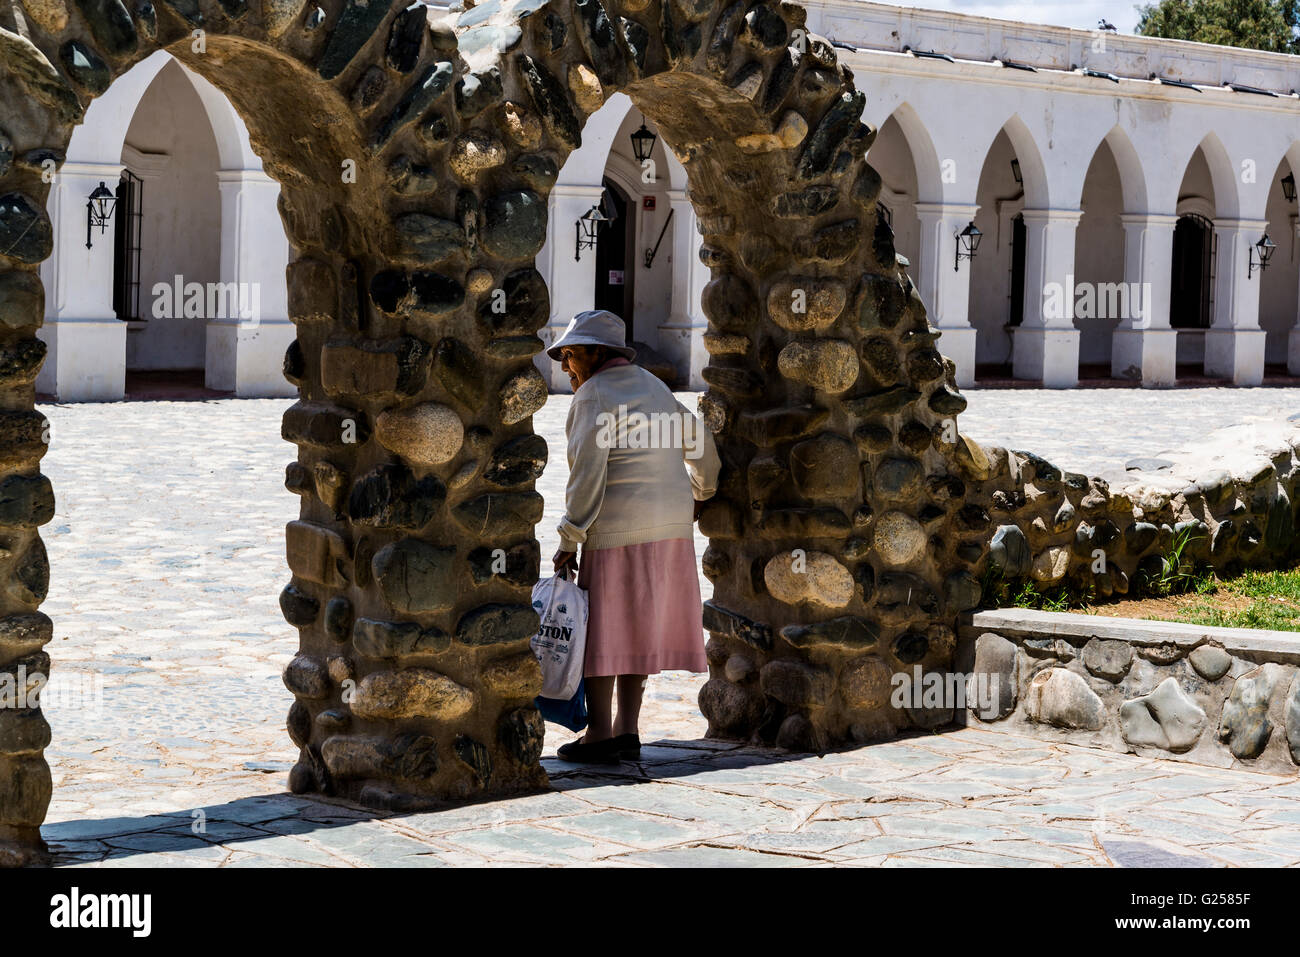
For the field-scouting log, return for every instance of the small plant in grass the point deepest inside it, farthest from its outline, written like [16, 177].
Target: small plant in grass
[1179, 571]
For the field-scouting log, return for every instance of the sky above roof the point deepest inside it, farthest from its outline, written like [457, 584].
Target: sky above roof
[1081, 14]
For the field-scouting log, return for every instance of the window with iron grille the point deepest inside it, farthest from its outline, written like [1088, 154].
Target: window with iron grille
[126, 247]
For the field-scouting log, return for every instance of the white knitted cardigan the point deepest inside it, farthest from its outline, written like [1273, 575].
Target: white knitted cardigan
[638, 460]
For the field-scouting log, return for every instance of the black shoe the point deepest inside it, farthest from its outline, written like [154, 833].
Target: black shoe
[628, 746]
[579, 752]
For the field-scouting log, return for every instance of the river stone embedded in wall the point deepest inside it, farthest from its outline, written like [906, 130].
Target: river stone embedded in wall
[307, 677]
[1062, 698]
[416, 577]
[1107, 658]
[994, 662]
[1165, 653]
[824, 467]
[1051, 565]
[1167, 718]
[818, 579]
[1048, 648]
[828, 365]
[1009, 552]
[426, 434]
[795, 684]
[473, 153]
[52, 15]
[1293, 718]
[1210, 662]
[730, 708]
[899, 539]
[523, 395]
[411, 693]
[804, 304]
[849, 633]
[26, 234]
[514, 224]
[1245, 725]
[866, 683]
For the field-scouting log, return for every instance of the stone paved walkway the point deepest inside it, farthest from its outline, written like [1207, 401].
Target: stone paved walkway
[167, 561]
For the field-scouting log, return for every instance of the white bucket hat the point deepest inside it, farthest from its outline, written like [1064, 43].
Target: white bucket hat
[596, 327]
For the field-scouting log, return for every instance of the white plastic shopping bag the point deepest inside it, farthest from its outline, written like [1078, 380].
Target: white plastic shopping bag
[561, 642]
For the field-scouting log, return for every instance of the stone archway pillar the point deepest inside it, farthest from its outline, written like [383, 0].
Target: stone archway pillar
[1046, 347]
[245, 356]
[1293, 340]
[86, 361]
[1234, 343]
[572, 282]
[946, 291]
[1144, 347]
[683, 335]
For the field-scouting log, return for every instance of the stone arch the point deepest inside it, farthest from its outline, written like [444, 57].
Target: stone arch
[414, 157]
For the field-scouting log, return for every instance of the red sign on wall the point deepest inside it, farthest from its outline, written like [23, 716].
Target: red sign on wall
[647, 202]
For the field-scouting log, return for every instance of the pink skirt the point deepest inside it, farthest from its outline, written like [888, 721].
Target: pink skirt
[645, 614]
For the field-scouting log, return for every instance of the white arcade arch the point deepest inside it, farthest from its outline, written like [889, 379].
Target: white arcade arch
[87, 343]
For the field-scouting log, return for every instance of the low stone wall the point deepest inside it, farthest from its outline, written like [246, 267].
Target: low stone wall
[1233, 498]
[1226, 697]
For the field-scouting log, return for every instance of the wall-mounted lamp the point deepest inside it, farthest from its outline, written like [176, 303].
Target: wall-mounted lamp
[643, 143]
[1288, 187]
[1015, 171]
[968, 244]
[1266, 248]
[588, 227]
[99, 210]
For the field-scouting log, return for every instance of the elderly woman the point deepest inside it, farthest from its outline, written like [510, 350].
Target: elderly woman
[640, 465]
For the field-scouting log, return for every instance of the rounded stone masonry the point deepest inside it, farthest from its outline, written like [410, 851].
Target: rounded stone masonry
[851, 516]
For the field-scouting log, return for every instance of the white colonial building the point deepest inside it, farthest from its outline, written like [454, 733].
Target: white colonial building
[1122, 188]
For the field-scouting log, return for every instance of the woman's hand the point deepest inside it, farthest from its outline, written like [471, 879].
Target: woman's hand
[565, 559]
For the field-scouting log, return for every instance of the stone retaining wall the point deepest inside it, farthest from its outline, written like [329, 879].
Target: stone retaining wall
[1225, 697]
[1233, 497]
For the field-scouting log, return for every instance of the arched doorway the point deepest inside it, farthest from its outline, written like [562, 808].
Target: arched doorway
[997, 274]
[1191, 303]
[196, 211]
[615, 269]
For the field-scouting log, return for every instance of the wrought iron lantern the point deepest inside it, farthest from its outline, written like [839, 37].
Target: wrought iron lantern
[1015, 171]
[1265, 247]
[99, 211]
[1288, 187]
[643, 143]
[968, 244]
[589, 227]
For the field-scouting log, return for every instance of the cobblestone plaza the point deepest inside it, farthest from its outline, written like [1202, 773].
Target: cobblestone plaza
[169, 528]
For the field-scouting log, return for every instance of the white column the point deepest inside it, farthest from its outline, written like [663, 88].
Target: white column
[1046, 346]
[572, 282]
[246, 356]
[945, 290]
[86, 361]
[682, 337]
[1293, 341]
[1234, 344]
[1144, 347]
